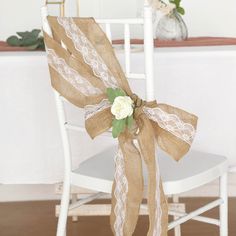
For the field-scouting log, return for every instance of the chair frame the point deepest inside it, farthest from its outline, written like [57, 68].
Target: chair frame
[71, 178]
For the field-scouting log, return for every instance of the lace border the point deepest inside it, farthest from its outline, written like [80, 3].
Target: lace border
[172, 123]
[89, 53]
[71, 75]
[120, 193]
[92, 110]
[158, 213]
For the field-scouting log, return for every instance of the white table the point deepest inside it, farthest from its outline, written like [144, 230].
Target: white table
[200, 80]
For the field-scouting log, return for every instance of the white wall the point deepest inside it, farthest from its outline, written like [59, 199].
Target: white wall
[203, 17]
[24, 15]
[211, 17]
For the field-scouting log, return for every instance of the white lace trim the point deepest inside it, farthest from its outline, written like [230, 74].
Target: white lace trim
[171, 123]
[92, 110]
[71, 75]
[120, 193]
[89, 53]
[158, 213]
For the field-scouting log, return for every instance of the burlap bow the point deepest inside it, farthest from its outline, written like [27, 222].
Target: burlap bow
[82, 66]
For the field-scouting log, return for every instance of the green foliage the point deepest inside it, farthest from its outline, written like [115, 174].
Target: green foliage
[13, 41]
[118, 126]
[113, 93]
[31, 40]
[179, 9]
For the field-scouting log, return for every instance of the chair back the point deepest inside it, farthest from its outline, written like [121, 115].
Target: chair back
[148, 75]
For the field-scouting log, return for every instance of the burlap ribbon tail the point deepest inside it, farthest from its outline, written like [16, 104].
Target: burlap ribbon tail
[83, 65]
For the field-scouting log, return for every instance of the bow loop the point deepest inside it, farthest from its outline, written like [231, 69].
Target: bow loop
[174, 128]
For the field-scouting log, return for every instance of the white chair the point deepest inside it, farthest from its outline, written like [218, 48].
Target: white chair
[96, 173]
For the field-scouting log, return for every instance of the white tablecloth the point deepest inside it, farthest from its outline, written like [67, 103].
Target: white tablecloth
[200, 80]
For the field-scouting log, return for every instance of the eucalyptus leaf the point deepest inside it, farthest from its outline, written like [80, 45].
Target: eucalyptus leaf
[113, 93]
[14, 41]
[23, 34]
[31, 40]
[118, 126]
[36, 32]
[33, 47]
[41, 43]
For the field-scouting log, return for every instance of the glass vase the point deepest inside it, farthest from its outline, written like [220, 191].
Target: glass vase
[171, 27]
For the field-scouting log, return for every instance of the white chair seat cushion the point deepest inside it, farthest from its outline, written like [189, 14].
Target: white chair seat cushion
[192, 171]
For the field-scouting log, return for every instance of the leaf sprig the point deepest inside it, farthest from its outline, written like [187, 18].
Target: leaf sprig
[118, 126]
[31, 40]
[179, 8]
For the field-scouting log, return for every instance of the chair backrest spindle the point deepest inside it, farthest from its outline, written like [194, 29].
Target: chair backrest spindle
[149, 53]
[108, 32]
[127, 48]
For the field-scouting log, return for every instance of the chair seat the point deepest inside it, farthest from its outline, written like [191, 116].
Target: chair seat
[192, 171]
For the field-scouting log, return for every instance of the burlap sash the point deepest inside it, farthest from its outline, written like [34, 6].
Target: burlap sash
[81, 71]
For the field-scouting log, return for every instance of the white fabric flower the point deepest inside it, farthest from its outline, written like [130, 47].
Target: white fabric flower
[122, 107]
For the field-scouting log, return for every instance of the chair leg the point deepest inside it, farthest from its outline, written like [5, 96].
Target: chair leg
[74, 200]
[65, 201]
[177, 229]
[224, 205]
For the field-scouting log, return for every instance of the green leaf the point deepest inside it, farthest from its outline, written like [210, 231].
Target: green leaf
[113, 93]
[35, 32]
[129, 121]
[29, 41]
[33, 47]
[41, 43]
[23, 34]
[14, 41]
[180, 10]
[110, 95]
[176, 2]
[118, 126]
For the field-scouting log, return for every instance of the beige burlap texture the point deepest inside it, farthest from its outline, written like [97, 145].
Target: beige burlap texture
[83, 65]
